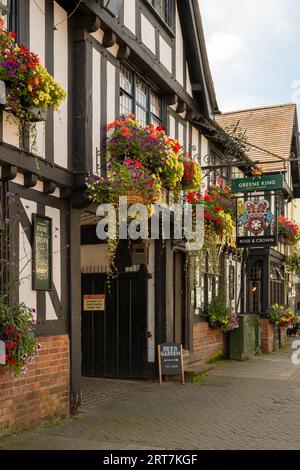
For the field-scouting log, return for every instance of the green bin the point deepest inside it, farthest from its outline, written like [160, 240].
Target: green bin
[244, 341]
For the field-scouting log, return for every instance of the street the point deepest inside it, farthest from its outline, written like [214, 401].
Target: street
[240, 405]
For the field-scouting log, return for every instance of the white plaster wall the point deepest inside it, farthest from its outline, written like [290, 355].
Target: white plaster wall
[37, 28]
[182, 134]
[61, 75]
[129, 15]
[165, 52]
[179, 50]
[148, 34]
[11, 133]
[98, 35]
[195, 142]
[26, 294]
[111, 92]
[96, 104]
[188, 82]
[172, 130]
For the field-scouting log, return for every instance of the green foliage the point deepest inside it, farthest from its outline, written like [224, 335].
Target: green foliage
[216, 357]
[281, 316]
[219, 312]
[293, 262]
[17, 332]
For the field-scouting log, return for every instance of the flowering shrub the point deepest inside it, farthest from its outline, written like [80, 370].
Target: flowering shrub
[281, 316]
[288, 231]
[220, 313]
[192, 178]
[148, 145]
[16, 331]
[219, 210]
[123, 177]
[28, 83]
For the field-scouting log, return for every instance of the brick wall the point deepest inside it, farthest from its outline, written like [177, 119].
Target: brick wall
[42, 392]
[206, 341]
[267, 336]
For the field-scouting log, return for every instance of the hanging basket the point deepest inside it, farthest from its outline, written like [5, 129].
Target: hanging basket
[134, 197]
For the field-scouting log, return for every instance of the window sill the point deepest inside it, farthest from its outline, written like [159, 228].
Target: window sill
[166, 27]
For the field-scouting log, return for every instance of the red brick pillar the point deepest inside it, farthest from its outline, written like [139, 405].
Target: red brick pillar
[267, 336]
[283, 336]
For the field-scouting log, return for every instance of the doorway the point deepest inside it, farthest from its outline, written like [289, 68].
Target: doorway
[180, 317]
[114, 339]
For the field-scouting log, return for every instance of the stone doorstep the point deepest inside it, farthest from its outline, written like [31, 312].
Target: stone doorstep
[196, 370]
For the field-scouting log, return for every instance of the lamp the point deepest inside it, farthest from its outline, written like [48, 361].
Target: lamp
[111, 6]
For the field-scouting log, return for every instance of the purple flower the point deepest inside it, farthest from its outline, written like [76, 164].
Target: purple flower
[24, 357]
[10, 196]
[33, 310]
[6, 221]
[34, 321]
[38, 347]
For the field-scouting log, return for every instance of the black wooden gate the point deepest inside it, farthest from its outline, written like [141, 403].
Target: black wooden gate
[114, 341]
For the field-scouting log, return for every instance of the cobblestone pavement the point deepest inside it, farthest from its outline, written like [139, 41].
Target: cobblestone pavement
[249, 405]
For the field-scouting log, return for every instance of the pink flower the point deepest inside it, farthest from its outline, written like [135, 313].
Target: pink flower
[138, 164]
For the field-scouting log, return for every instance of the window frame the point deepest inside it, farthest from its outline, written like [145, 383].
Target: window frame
[11, 11]
[133, 96]
[169, 18]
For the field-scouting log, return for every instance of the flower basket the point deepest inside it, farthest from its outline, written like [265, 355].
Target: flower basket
[134, 197]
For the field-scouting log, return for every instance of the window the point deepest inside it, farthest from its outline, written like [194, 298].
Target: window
[210, 280]
[164, 9]
[138, 98]
[8, 10]
[277, 284]
[255, 287]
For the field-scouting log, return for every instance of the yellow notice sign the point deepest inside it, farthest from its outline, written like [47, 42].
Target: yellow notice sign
[94, 303]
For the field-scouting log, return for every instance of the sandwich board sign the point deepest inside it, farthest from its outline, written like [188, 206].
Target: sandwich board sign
[170, 360]
[2, 353]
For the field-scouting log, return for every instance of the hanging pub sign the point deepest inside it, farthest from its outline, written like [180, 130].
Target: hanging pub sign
[252, 185]
[170, 360]
[42, 253]
[257, 220]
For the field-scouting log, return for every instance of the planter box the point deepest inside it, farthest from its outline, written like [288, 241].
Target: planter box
[35, 114]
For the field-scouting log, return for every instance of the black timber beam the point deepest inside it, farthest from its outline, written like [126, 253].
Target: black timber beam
[141, 57]
[26, 162]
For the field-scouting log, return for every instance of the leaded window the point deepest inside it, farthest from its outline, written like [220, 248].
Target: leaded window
[165, 9]
[8, 10]
[137, 97]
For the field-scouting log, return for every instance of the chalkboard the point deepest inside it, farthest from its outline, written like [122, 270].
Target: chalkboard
[170, 360]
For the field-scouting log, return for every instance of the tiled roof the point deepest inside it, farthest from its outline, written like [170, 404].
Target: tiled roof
[270, 128]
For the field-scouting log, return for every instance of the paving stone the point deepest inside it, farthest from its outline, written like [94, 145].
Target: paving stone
[248, 405]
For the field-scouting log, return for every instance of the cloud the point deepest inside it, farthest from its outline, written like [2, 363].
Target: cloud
[223, 47]
[253, 48]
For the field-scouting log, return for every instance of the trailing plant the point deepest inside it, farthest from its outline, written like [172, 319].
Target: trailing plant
[288, 231]
[17, 333]
[192, 178]
[293, 262]
[148, 145]
[281, 315]
[220, 313]
[219, 212]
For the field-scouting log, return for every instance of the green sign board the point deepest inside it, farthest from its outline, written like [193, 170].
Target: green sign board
[252, 185]
[42, 253]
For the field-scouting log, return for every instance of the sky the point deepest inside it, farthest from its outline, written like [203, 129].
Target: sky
[254, 51]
